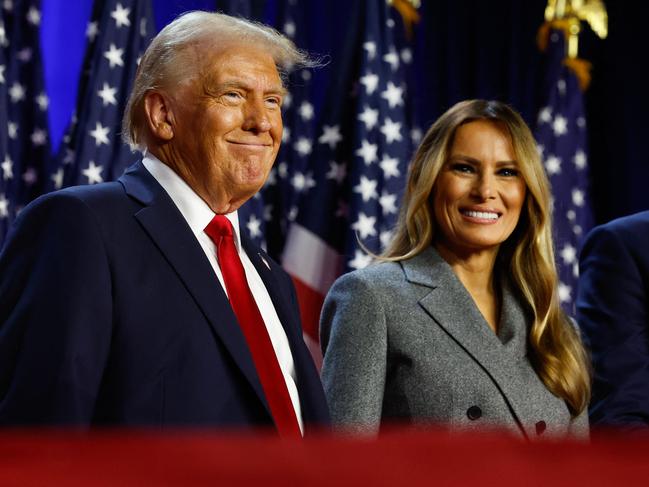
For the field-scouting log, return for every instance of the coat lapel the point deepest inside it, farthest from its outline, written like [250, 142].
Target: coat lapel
[450, 305]
[166, 226]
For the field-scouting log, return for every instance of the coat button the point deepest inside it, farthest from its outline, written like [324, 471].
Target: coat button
[473, 413]
[540, 427]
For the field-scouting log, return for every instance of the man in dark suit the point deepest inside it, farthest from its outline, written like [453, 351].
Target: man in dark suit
[613, 312]
[138, 302]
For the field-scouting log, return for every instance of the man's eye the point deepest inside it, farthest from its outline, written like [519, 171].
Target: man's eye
[274, 101]
[232, 94]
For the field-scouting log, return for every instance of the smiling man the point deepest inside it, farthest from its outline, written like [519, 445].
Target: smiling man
[138, 302]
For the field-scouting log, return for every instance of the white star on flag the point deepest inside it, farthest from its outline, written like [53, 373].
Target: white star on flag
[406, 55]
[388, 202]
[580, 159]
[337, 171]
[303, 146]
[286, 135]
[553, 165]
[254, 226]
[365, 225]
[114, 56]
[282, 170]
[12, 130]
[92, 30]
[289, 29]
[568, 254]
[306, 111]
[24, 55]
[93, 173]
[34, 16]
[545, 115]
[385, 237]
[369, 116]
[38, 137]
[107, 95]
[7, 168]
[366, 188]
[392, 58]
[120, 14]
[57, 178]
[30, 176]
[393, 94]
[100, 134]
[302, 182]
[367, 152]
[370, 48]
[564, 292]
[560, 125]
[42, 101]
[391, 130]
[360, 260]
[389, 166]
[370, 81]
[4, 206]
[578, 197]
[17, 92]
[330, 135]
[2, 74]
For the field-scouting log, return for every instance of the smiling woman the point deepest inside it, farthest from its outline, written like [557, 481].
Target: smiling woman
[459, 323]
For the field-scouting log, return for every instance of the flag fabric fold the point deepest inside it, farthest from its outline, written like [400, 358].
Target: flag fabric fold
[561, 134]
[92, 150]
[352, 185]
[24, 143]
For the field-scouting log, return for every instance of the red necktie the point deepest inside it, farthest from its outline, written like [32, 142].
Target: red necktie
[253, 327]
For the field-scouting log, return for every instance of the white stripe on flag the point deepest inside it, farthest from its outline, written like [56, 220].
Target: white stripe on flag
[310, 259]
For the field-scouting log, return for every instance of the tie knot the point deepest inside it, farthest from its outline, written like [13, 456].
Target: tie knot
[220, 226]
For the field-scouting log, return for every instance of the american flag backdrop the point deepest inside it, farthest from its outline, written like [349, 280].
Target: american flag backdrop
[24, 143]
[350, 188]
[92, 151]
[561, 135]
[6, 166]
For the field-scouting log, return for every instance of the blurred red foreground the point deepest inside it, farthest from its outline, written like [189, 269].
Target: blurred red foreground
[401, 457]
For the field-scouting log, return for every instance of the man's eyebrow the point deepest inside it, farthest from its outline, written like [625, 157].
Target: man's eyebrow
[240, 84]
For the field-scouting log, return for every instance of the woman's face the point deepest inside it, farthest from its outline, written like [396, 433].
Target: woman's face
[479, 193]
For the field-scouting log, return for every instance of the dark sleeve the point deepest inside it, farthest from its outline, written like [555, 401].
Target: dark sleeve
[612, 312]
[55, 314]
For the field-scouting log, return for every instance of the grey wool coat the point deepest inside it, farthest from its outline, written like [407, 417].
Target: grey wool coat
[405, 342]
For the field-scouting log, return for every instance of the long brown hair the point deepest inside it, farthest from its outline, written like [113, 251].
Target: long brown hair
[555, 348]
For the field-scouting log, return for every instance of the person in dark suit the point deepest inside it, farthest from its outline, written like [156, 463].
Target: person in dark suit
[137, 302]
[613, 312]
[459, 323]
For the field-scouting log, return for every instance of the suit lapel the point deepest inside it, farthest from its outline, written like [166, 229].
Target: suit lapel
[166, 226]
[278, 295]
[312, 400]
[450, 305]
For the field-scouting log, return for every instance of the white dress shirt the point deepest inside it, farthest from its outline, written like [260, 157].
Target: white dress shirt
[198, 214]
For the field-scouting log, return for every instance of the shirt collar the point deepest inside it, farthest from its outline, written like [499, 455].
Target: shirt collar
[192, 207]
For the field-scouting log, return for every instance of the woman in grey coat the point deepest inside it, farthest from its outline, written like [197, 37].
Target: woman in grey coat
[459, 324]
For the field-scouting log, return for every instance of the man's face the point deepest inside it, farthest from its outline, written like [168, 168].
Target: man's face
[228, 125]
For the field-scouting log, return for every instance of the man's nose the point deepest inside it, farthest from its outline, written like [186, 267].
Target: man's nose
[257, 118]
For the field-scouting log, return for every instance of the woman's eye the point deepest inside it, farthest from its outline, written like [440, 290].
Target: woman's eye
[508, 171]
[462, 167]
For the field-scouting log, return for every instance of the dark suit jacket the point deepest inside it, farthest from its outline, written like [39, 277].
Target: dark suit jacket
[110, 313]
[613, 312]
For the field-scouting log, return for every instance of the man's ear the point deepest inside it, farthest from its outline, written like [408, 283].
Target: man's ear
[158, 115]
